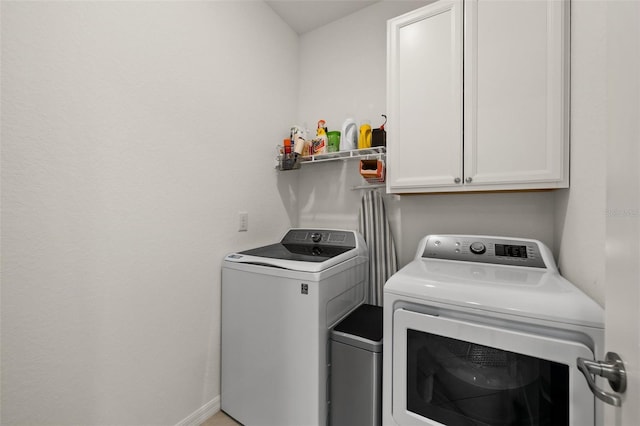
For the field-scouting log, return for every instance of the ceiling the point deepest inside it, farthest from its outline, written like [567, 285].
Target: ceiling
[306, 15]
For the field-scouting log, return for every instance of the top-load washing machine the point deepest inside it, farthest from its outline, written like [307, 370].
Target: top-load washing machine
[483, 330]
[278, 304]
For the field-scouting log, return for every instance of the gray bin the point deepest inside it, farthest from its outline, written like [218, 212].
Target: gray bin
[356, 369]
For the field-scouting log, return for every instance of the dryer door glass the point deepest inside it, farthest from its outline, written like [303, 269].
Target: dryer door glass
[458, 372]
[461, 383]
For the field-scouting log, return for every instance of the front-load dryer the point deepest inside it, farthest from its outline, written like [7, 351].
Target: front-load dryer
[278, 304]
[483, 330]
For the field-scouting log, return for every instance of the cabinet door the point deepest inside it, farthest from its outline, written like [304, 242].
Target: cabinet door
[516, 93]
[424, 145]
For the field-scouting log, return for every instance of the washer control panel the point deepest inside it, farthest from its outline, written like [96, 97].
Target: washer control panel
[495, 250]
[326, 237]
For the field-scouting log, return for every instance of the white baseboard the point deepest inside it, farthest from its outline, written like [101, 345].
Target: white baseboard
[201, 414]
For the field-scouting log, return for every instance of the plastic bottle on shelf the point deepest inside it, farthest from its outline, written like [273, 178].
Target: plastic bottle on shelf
[298, 139]
[349, 135]
[334, 141]
[320, 142]
[364, 140]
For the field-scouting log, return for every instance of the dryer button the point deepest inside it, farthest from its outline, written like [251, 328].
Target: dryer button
[477, 248]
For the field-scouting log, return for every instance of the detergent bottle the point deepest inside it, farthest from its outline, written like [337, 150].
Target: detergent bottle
[348, 135]
[320, 142]
[364, 140]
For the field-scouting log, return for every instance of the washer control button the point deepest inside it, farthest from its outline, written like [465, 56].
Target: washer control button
[477, 248]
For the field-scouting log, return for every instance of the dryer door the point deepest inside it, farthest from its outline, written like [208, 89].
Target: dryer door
[451, 372]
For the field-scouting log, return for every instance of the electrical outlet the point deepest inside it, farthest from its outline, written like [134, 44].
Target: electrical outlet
[243, 221]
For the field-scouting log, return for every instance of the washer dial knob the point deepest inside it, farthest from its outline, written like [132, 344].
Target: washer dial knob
[477, 248]
[316, 237]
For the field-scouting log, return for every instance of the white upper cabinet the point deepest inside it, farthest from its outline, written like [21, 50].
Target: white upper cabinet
[425, 97]
[490, 116]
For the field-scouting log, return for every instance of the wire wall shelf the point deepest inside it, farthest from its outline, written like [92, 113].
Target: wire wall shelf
[375, 152]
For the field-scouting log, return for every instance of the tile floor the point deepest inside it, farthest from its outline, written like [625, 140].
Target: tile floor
[220, 419]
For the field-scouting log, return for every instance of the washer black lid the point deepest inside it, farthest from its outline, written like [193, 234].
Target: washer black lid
[308, 245]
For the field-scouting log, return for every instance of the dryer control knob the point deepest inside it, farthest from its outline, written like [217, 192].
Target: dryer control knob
[316, 237]
[477, 248]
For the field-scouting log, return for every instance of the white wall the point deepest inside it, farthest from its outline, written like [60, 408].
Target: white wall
[132, 134]
[343, 73]
[580, 214]
[525, 214]
[343, 67]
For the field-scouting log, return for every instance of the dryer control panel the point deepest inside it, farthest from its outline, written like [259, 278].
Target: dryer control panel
[484, 249]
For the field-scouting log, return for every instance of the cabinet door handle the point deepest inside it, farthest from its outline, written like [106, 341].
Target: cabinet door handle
[468, 180]
[457, 180]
